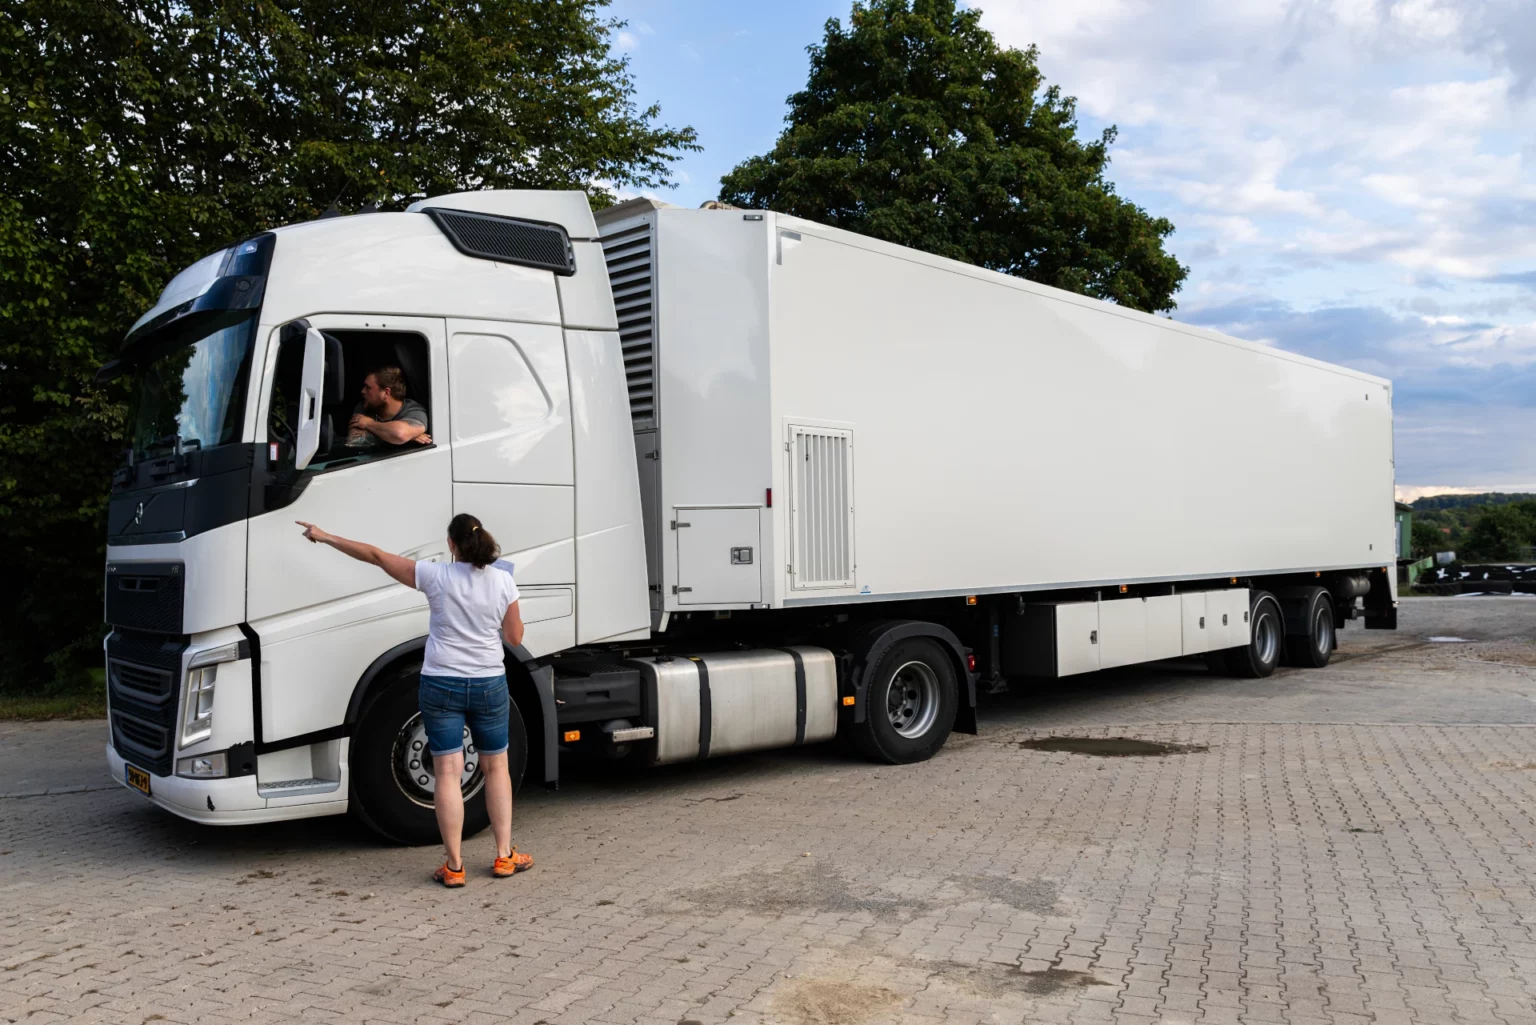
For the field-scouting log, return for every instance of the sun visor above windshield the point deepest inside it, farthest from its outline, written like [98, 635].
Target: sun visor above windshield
[189, 284]
[230, 279]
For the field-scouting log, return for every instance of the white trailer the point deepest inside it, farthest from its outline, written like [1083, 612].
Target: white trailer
[765, 482]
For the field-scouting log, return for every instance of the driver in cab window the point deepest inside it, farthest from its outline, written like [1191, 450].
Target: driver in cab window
[386, 416]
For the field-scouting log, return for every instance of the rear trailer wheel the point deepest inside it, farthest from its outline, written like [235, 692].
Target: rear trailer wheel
[392, 777]
[1266, 638]
[1313, 648]
[910, 703]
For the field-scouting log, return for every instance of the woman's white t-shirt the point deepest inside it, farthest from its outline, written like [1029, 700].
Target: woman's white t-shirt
[468, 606]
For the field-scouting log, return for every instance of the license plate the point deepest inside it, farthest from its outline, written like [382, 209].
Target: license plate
[136, 778]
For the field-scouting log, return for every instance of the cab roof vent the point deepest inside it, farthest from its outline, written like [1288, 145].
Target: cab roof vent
[507, 239]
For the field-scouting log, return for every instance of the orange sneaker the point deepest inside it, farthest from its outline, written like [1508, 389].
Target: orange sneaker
[449, 877]
[512, 864]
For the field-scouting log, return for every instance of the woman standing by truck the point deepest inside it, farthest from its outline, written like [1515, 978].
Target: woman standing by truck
[474, 606]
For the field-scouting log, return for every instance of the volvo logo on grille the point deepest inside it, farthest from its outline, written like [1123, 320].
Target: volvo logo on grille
[138, 515]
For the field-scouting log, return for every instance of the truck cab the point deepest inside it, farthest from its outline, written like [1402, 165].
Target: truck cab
[241, 659]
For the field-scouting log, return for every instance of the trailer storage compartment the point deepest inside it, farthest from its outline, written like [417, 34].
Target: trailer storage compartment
[897, 425]
[1056, 639]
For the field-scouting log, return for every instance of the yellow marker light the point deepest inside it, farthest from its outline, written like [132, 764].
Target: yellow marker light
[970, 599]
[571, 736]
[1234, 580]
[848, 700]
[1123, 589]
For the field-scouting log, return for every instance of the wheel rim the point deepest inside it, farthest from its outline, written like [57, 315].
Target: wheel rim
[411, 761]
[912, 701]
[1266, 637]
[1323, 630]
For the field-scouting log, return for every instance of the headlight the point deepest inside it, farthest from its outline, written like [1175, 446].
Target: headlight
[197, 701]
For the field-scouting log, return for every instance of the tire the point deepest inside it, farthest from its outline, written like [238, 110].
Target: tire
[1266, 640]
[387, 773]
[1313, 648]
[911, 701]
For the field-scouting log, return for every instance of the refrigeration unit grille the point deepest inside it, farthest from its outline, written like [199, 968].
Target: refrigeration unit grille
[631, 256]
[821, 507]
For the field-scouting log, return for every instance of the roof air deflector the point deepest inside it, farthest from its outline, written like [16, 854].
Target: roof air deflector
[514, 240]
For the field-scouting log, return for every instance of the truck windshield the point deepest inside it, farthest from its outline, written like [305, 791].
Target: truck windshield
[194, 393]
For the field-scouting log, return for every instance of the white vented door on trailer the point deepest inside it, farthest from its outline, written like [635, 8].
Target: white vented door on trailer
[820, 507]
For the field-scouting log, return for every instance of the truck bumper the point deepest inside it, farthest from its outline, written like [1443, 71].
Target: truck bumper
[221, 802]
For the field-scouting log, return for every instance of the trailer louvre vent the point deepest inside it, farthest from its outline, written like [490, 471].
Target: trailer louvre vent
[821, 507]
[507, 239]
[631, 256]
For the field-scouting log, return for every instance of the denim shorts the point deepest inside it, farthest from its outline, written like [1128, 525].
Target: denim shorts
[449, 703]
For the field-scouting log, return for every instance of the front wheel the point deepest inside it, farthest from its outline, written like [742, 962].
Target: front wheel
[392, 777]
[911, 702]
[1266, 637]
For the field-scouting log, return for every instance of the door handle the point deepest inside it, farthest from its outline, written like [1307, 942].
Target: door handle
[425, 553]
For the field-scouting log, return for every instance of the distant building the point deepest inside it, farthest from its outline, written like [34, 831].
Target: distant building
[1404, 518]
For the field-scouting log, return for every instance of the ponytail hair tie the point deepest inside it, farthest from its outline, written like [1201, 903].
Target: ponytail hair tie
[474, 528]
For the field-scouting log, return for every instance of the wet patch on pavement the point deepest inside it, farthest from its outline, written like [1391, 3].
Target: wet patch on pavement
[1111, 747]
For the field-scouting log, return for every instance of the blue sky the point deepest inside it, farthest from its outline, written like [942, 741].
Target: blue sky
[1350, 179]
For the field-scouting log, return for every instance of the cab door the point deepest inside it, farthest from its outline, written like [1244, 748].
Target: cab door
[513, 465]
[323, 618]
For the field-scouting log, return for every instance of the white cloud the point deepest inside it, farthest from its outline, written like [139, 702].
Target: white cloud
[1379, 153]
[626, 41]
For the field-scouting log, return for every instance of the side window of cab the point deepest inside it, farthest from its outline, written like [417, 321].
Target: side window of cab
[375, 404]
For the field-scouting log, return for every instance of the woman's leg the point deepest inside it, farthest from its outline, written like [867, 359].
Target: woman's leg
[498, 800]
[448, 802]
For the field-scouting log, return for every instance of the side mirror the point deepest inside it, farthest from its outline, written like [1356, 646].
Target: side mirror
[307, 440]
[335, 372]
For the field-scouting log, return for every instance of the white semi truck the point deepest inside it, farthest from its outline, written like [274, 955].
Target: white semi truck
[764, 483]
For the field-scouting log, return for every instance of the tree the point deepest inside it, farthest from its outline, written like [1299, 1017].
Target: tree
[136, 137]
[1499, 532]
[917, 128]
[1427, 539]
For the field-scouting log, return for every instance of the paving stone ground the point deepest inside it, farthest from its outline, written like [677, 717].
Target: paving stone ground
[1350, 845]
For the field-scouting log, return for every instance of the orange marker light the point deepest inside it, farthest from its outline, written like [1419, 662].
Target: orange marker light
[571, 736]
[848, 700]
[1123, 589]
[970, 599]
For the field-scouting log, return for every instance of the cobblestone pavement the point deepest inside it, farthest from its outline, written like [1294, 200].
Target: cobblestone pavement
[1347, 845]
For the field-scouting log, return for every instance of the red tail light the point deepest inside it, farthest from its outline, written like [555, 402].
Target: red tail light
[970, 662]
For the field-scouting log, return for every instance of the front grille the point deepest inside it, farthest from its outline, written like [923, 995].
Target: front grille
[145, 596]
[152, 685]
[143, 671]
[138, 740]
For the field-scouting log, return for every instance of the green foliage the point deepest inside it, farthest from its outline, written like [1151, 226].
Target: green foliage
[1438, 502]
[1501, 532]
[1452, 516]
[1427, 539]
[917, 128]
[136, 138]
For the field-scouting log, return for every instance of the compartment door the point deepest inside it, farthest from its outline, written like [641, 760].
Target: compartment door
[1164, 627]
[1233, 616]
[718, 556]
[1077, 638]
[1122, 632]
[1197, 638]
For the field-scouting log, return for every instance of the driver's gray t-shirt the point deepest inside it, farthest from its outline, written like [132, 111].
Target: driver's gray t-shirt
[411, 412]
